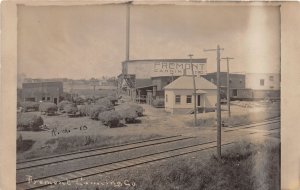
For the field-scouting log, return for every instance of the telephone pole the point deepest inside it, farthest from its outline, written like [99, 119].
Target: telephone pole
[228, 86]
[218, 50]
[194, 84]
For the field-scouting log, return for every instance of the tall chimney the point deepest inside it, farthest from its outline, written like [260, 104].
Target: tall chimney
[127, 30]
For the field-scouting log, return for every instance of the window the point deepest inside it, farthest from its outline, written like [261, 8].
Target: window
[48, 98]
[262, 82]
[234, 92]
[271, 87]
[241, 80]
[43, 98]
[188, 99]
[177, 99]
[271, 78]
[166, 97]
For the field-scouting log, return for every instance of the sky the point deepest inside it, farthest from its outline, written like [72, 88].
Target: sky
[89, 41]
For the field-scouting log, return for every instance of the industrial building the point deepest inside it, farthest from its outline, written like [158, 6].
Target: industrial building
[179, 95]
[146, 78]
[42, 91]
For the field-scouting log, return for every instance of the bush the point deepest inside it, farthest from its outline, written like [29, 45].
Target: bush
[29, 122]
[110, 118]
[27, 105]
[129, 115]
[96, 109]
[48, 107]
[78, 100]
[158, 103]
[113, 99]
[105, 102]
[84, 110]
[139, 109]
[71, 109]
[61, 105]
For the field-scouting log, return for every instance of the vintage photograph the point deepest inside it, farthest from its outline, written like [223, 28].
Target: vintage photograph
[148, 97]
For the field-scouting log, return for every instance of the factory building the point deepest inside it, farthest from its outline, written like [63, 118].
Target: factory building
[42, 91]
[144, 78]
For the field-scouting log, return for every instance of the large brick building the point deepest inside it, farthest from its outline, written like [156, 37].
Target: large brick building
[42, 91]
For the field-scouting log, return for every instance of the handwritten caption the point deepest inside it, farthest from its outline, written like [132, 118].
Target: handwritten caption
[82, 182]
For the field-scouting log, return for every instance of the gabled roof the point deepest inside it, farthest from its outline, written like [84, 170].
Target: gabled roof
[186, 83]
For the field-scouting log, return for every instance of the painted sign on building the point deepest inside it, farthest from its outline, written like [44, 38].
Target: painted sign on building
[177, 68]
[164, 67]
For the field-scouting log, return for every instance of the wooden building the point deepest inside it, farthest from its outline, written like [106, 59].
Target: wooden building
[179, 96]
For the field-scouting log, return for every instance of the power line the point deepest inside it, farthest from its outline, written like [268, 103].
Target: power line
[228, 85]
[218, 50]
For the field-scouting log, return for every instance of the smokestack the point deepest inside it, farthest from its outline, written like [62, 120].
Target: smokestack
[127, 30]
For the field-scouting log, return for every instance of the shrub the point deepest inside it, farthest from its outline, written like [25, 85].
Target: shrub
[71, 109]
[105, 102]
[84, 110]
[110, 118]
[78, 100]
[129, 115]
[113, 99]
[96, 109]
[139, 109]
[61, 105]
[27, 105]
[29, 122]
[48, 107]
[158, 103]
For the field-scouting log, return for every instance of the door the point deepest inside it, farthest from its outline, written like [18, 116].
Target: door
[198, 100]
[55, 100]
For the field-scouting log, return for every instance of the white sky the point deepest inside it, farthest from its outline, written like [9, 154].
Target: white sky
[89, 41]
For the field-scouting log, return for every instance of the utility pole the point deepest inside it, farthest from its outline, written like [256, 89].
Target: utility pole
[194, 84]
[228, 86]
[218, 50]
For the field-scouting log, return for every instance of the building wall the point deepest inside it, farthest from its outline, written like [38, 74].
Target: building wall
[208, 100]
[271, 81]
[42, 91]
[236, 80]
[155, 68]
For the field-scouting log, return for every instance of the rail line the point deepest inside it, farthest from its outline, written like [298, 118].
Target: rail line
[90, 150]
[97, 152]
[253, 125]
[117, 165]
[250, 123]
[108, 167]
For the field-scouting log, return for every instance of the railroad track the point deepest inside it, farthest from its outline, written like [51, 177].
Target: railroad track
[257, 124]
[116, 165]
[108, 167]
[249, 123]
[95, 152]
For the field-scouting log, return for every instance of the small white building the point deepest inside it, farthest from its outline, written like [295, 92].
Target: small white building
[179, 95]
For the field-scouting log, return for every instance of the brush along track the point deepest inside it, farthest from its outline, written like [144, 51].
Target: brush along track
[117, 165]
[96, 152]
[90, 171]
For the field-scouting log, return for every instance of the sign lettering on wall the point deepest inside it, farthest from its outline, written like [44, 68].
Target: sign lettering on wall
[177, 68]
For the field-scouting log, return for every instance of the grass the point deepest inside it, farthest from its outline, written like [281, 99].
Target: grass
[63, 145]
[244, 166]
[244, 118]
